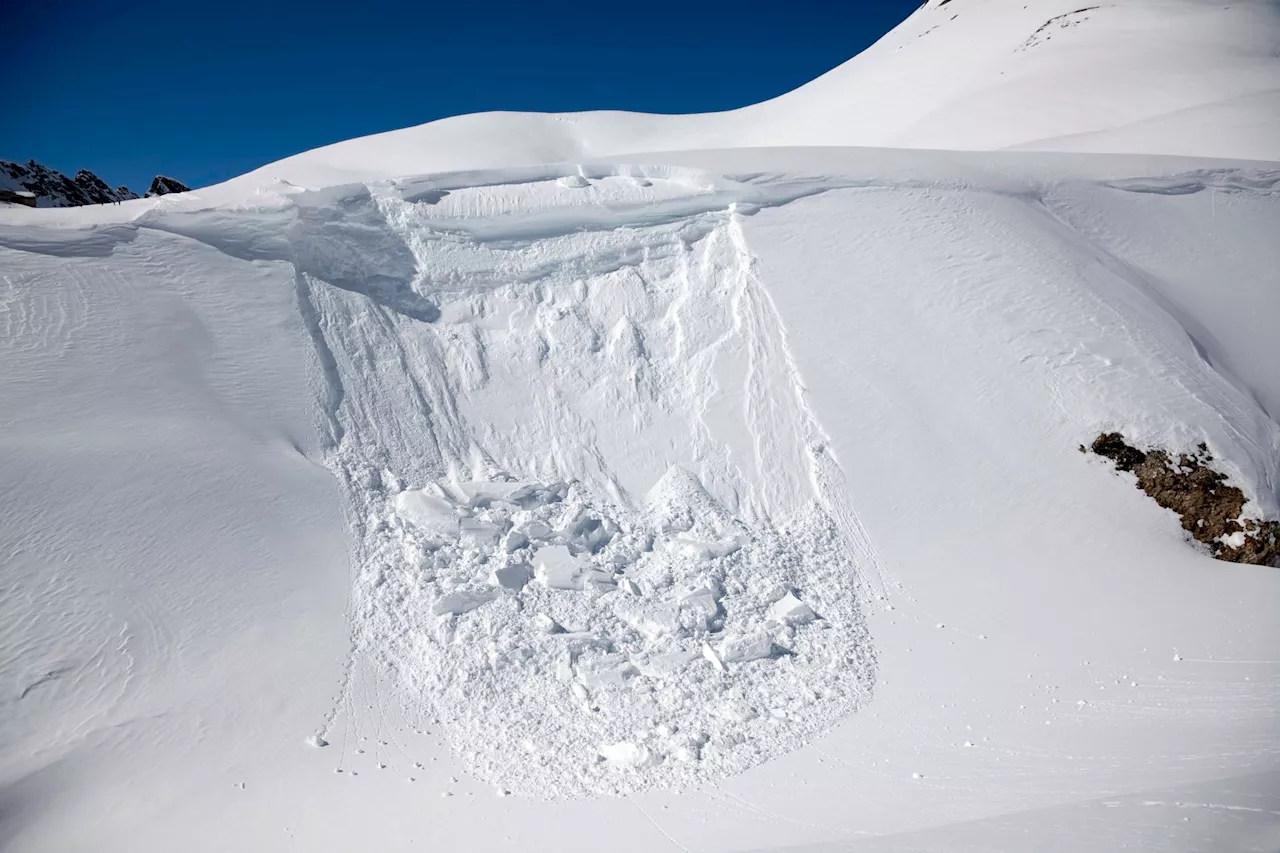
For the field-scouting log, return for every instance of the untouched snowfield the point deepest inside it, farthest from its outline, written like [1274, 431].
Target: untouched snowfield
[713, 499]
[1135, 76]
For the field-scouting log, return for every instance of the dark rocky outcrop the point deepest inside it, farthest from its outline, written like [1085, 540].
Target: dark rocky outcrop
[163, 185]
[54, 189]
[1209, 507]
[22, 197]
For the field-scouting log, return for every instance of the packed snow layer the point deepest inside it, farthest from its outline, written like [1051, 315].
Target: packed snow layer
[745, 486]
[1185, 77]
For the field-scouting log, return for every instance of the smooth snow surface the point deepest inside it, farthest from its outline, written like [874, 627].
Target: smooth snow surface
[744, 489]
[1145, 76]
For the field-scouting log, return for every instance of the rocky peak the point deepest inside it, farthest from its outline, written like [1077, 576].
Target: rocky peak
[54, 189]
[163, 185]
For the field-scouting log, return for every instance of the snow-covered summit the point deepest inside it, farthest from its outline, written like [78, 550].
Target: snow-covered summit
[1135, 76]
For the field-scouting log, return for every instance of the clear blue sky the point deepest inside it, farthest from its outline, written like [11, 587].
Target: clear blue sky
[204, 92]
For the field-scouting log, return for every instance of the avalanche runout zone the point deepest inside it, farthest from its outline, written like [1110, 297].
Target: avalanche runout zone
[592, 512]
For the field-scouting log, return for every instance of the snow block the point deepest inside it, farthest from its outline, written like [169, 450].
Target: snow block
[747, 647]
[431, 515]
[511, 577]
[702, 604]
[484, 494]
[556, 568]
[473, 531]
[790, 610]
[700, 550]
[630, 755]
[462, 601]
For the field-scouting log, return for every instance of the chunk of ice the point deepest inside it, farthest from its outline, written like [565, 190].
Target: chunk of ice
[654, 622]
[546, 624]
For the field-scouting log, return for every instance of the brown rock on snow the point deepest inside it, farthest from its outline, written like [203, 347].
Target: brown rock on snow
[1209, 507]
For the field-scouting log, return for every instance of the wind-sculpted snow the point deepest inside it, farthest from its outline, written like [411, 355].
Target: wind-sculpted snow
[1227, 180]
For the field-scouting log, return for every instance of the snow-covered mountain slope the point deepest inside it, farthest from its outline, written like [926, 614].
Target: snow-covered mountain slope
[718, 501]
[477, 487]
[1147, 76]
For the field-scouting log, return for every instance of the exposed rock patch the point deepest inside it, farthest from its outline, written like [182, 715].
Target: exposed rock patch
[1212, 511]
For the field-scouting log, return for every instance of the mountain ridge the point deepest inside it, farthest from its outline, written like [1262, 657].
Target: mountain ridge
[37, 185]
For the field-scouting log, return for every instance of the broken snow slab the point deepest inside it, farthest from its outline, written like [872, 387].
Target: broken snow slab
[653, 622]
[790, 610]
[702, 550]
[629, 755]
[701, 605]
[622, 630]
[462, 601]
[601, 671]
[746, 647]
[429, 514]
[483, 494]
[556, 568]
[512, 577]
[474, 531]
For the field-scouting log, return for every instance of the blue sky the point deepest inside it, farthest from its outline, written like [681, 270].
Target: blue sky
[204, 92]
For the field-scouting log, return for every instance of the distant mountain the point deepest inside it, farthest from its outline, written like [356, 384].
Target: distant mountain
[163, 185]
[51, 188]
